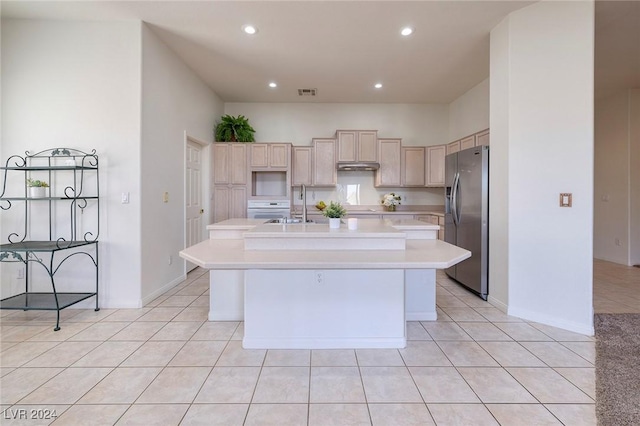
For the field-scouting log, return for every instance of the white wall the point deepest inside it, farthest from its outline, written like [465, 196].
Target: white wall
[77, 85]
[174, 100]
[499, 168]
[470, 112]
[298, 123]
[543, 106]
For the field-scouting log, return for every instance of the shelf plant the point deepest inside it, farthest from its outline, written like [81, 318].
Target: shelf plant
[34, 183]
[234, 129]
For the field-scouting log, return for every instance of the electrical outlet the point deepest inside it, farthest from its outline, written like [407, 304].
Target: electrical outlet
[21, 274]
[165, 197]
[618, 243]
[125, 198]
[319, 277]
[170, 260]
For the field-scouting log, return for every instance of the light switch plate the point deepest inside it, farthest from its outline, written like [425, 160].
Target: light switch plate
[565, 199]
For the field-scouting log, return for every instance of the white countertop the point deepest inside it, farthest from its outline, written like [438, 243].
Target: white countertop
[231, 255]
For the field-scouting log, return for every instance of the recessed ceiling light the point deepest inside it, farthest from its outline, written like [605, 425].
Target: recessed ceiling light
[273, 85]
[406, 31]
[249, 29]
[378, 85]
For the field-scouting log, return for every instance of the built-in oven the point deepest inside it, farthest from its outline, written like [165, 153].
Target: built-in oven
[274, 209]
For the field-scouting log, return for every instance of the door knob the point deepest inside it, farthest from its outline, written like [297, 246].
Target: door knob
[201, 211]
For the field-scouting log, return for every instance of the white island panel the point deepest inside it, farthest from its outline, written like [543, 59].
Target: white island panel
[329, 309]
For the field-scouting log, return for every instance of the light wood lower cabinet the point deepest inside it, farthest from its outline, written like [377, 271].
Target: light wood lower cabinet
[230, 202]
[435, 220]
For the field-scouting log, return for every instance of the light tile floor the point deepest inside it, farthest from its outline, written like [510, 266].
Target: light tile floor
[166, 364]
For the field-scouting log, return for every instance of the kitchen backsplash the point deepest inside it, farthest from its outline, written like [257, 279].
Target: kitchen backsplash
[356, 188]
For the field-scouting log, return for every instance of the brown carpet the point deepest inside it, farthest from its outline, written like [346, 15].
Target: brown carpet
[617, 369]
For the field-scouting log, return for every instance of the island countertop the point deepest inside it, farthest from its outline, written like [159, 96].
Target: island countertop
[231, 255]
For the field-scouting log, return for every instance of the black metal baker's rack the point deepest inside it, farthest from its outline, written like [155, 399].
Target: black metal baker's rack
[55, 230]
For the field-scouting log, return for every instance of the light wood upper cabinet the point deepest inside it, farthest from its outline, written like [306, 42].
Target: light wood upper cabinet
[302, 165]
[435, 165]
[324, 162]
[389, 154]
[347, 141]
[368, 146]
[229, 164]
[453, 147]
[468, 142]
[259, 155]
[269, 155]
[357, 145]
[412, 166]
[482, 138]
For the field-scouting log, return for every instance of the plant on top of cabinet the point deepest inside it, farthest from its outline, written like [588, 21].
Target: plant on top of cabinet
[234, 129]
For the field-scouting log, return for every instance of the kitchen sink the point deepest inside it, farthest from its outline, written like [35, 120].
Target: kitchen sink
[285, 220]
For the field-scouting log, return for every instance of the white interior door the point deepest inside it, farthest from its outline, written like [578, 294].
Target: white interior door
[194, 230]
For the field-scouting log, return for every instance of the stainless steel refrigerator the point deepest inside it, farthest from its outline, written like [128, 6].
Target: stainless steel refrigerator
[467, 215]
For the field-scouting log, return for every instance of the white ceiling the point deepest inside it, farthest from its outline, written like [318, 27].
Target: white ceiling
[340, 48]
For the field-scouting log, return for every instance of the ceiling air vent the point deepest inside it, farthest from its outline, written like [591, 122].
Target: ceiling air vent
[307, 92]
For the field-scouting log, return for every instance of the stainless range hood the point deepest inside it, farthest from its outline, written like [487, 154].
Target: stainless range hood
[343, 167]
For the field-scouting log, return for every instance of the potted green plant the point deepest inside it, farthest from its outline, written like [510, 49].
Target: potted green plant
[234, 129]
[37, 188]
[334, 211]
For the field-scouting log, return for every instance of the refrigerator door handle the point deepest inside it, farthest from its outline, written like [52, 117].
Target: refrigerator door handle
[458, 212]
[454, 196]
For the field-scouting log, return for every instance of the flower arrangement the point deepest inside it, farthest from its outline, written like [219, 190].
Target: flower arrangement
[391, 200]
[33, 183]
[334, 211]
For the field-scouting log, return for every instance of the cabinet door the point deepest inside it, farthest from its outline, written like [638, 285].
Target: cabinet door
[429, 218]
[347, 149]
[453, 147]
[259, 155]
[238, 164]
[412, 166]
[279, 155]
[435, 165]
[238, 202]
[221, 158]
[221, 197]
[468, 142]
[324, 162]
[368, 146]
[302, 170]
[482, 138]
[389, 155]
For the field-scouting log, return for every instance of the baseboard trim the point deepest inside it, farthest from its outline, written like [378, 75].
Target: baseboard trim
[421, 316]
[586, 329]
[323, 343]
[498, 304]
[163, 289]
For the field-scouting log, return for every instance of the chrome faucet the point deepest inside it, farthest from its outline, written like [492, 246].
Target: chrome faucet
[303, 197]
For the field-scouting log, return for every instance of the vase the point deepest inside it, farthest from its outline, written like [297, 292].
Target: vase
[334, 223]
[37, 192]
[391, 208]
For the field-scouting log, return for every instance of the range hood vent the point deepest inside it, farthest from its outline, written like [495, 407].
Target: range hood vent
[358, 166]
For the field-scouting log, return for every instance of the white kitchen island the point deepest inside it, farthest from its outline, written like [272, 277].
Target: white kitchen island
[306, 286]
